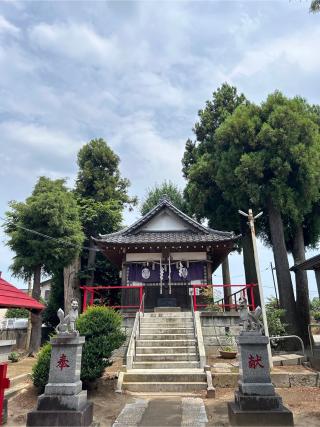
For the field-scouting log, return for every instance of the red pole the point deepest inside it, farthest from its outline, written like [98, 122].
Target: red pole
[85, 295]
[91, 296]
[194, 298]
[4, 383]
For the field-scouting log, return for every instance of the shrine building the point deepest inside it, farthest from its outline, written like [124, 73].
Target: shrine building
[167, 252]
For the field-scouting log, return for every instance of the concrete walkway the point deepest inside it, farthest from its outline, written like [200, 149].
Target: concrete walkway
[163, 412]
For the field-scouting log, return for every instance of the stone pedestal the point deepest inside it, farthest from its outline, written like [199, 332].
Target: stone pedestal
[256, 403]
[63, 403]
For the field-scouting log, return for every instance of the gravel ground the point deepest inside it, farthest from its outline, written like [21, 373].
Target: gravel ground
[304, 402]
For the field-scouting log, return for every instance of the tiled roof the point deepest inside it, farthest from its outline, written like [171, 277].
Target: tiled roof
[309, 264]
[197, 232]
[165, 237]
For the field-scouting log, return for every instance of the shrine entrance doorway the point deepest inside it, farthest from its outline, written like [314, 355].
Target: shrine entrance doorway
[178, 297]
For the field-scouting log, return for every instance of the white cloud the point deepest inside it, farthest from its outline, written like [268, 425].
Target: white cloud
[297, 49]
[30, 136]
[76, 41]
[7, 27]
[147, 156]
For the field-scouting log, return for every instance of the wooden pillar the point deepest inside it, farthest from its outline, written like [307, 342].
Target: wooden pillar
[317, 274]
[209, 273]
[226, 281]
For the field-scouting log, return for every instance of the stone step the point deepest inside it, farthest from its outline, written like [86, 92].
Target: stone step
[166, 336]
[140, 375]
[165, 350]
[164, 330]
[164, 386]
[182, 315]
[166, 326]
[147, 323]
[166, 318]
[166, 343]
[166, 357]
[166, 365]
[167, 309]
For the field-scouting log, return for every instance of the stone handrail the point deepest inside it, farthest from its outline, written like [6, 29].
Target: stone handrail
[132, 342]
[198, 334]
[201, 349]
[135, 332]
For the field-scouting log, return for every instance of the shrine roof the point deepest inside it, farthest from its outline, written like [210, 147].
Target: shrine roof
[309, 264]
[191, 231]
[10, 296]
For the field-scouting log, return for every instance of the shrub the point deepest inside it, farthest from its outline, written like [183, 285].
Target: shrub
[275, 317]
[40, 371]
[213, 307]
[316, 315]
[229, 343]
[13, 357]
[21, 313]
[102, 328]
[315, 304]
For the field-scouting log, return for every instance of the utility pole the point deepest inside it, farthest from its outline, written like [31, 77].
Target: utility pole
[251, 220]
[274, 283]
[29, 317]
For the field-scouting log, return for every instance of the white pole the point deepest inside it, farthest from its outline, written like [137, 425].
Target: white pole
[251, 219]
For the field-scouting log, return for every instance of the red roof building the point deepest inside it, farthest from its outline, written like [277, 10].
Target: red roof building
[10, 296]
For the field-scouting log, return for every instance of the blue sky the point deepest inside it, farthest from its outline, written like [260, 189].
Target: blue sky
[136, 73]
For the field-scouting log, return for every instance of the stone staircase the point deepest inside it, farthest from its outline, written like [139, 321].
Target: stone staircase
[166, 357]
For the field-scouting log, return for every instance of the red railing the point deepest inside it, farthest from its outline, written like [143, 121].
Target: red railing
[90, 291]
[245, 288]
[4, 383]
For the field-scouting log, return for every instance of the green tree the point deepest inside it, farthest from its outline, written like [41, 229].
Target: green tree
[315, 6]
[102, 195]
[51, 210]
[168, 189]
[270, 155]
[275, 316]
[204, 197]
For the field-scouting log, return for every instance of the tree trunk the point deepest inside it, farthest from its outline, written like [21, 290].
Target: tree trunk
[286, 295]
[226, 281]
[91, 264]
[36, 317]
[71, 284]
[302, 291]
[248, 262]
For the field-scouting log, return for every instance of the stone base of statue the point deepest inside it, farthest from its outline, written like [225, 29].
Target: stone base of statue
[63, 403]
[256, 403]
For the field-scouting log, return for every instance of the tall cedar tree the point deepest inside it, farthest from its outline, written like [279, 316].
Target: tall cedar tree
[102, 195]
[204, 197]
[315, 6]
[168, 189]
[271, 156]
[50, 210]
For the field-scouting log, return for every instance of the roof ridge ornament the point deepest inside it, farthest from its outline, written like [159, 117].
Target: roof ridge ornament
[164, 198]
